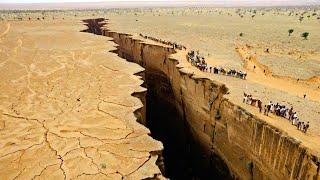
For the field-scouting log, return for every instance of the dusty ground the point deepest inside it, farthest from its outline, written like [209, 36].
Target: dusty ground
[66, 108]
[216, 32]
[216, 35]
[55, 82]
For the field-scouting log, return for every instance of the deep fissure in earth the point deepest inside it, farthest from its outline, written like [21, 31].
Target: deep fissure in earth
[182, 155]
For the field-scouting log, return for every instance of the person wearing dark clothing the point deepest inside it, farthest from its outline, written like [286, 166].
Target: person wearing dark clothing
[305, 128]
[260, 106]
[298, 125]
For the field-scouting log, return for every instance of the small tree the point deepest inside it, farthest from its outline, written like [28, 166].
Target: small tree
[300, 19]
[103, 165]
[241, 34]
[290, 31]
[305, 35]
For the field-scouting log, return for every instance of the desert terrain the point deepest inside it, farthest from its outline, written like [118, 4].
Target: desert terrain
[67, 110]
[292, 65]
[67, 100]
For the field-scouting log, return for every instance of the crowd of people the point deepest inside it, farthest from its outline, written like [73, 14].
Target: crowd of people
[169, 43]
[199, 61]
[275, 108]
[278, 110]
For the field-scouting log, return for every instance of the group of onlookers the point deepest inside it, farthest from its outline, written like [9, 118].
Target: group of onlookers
[169, 43]
[278, 110]
[288, 113]
[199, 61]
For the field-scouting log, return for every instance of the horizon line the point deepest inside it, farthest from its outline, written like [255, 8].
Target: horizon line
[144, 4]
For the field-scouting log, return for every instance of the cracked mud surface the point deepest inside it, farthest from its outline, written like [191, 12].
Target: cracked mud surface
[66, 108]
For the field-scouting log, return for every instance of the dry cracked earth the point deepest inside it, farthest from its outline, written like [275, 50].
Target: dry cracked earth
[67, 110]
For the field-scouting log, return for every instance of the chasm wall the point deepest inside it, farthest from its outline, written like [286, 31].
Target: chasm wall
[221, 139]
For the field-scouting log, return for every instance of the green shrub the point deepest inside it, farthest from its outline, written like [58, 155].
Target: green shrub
[305, 35]
[290, 31]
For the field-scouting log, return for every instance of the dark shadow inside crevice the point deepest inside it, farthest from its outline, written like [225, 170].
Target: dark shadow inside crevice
[184, 156]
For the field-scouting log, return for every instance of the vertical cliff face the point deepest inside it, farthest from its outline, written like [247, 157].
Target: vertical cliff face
[168, 93]
[220, 138]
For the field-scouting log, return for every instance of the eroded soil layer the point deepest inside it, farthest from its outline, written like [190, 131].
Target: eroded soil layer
[182, 149]
[250, 147]
[67, 107]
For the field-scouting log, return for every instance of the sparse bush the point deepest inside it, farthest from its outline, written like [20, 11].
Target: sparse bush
[103, 165]
[305, 35]
[241, 34]
[290, 31]
[300, 18]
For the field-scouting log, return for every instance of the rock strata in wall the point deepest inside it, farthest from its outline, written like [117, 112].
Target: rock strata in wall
[247, 145]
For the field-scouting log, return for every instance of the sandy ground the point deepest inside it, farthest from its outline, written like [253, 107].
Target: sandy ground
[45, 69]
[216, 36]
[215, 32]
[66, 110]
[310, 140]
